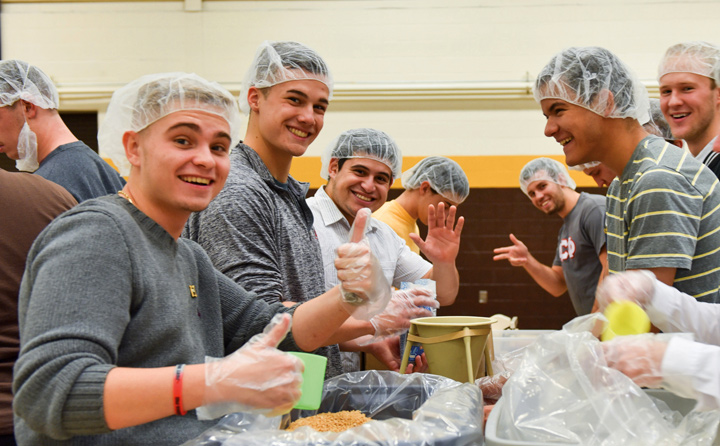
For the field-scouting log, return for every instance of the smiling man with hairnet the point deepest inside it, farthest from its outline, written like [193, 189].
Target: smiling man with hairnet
[360, 165]
[581, 255]
[689, 83]
[661, 213]
[259, 229]
[34, 134]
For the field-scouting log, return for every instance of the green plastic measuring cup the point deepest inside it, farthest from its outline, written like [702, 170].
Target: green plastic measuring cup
[313, 380]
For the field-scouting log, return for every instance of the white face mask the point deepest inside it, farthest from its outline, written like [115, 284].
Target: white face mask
[27, 150]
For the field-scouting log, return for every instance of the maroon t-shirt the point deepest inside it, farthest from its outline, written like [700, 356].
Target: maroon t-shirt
[27, 204]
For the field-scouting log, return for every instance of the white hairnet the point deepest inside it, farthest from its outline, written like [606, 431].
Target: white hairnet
[581, 167]
[363, 143]
[444, 175]
[585, 76]
[545, 169]
[657, 125]
[278, 62]
[692, 57]
[20, 80]
[152, 97]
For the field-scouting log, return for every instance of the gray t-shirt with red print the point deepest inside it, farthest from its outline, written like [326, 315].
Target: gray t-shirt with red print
[580, 240]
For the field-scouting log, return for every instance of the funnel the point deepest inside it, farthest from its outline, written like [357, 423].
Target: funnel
[313, 380]
[625, 318]
[454, 345]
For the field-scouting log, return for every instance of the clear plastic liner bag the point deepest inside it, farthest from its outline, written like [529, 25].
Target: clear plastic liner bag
[563, 392]
[416, 409]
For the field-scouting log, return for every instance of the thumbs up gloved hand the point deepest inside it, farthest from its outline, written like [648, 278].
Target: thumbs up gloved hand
[363, 287]
[255, 378]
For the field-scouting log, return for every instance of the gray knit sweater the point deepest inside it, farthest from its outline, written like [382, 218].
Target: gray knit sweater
[106, 286]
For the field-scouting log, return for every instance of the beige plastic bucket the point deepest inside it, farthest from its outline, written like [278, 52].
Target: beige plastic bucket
[454, 345]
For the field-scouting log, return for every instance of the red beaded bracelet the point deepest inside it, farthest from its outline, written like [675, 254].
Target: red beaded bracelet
[177, 390]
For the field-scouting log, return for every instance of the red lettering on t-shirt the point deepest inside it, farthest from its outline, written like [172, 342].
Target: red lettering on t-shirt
[567, 249]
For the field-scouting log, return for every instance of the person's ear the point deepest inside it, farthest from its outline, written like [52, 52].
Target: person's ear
[29, 109]
[131, 142]
[609, 103]
[253, 97]
[425, 188]
[333, 168]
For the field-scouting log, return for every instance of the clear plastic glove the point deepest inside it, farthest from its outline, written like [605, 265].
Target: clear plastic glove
[257, 378]
[404, 306]
[491, 386]
[639, 357]
[504, 366]
[363, 287]
[637, 286]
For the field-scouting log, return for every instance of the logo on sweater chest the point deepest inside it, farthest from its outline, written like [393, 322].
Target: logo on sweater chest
[193, 293]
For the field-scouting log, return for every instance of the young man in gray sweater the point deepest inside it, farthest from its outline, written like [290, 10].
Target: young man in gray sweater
[114, 303]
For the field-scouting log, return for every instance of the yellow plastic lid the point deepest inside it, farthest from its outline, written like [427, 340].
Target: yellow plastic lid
[625, 318]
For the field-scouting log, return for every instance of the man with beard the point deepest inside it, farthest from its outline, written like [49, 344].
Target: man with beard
[689, 77]
[581, 255]
[33, 133]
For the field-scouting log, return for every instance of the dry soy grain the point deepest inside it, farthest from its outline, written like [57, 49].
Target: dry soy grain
[331, 422]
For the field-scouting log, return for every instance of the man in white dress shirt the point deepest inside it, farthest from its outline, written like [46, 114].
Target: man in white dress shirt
[360, 165]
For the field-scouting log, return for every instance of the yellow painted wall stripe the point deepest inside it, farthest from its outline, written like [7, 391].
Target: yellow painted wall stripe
[482, 171]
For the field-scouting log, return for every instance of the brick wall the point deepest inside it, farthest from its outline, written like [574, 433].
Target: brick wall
[490, 215]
